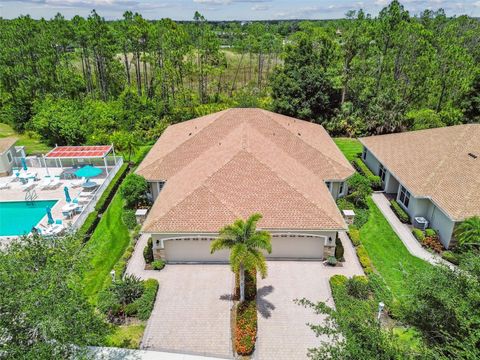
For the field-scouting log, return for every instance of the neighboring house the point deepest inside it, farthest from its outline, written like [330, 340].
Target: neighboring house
[434, 173]
[207, 172]
[8, 152]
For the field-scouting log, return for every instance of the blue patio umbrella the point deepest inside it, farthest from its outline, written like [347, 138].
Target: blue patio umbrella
[88, 171]
[67, 194]
[50, 217]
[24, 163]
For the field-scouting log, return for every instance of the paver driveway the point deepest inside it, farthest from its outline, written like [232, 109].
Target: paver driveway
[282, 329]
[192, 311]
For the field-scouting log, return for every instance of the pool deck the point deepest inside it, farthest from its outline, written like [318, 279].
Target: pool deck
[15, 193]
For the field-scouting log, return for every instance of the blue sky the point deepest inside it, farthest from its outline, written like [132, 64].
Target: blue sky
[223, 9]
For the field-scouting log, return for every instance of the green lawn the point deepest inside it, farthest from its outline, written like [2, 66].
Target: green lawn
[126, 336]
[387, 252]
[107, 245]
[33, 145]
[350, 147]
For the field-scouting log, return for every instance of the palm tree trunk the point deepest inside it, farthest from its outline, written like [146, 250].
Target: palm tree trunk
[242, 283]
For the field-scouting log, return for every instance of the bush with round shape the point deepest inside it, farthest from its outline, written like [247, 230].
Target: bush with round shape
[451, 257]
[430, 232]
[158, 264]
[418, 234]
[133, 190]
[332, 261]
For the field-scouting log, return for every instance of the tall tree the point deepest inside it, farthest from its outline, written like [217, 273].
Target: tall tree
[246, 244]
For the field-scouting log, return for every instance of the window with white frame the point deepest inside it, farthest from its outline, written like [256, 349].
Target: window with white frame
[364, 153]
[329, 185]
[9, 157]
[341, 190]
[382, 172]
[404, 197]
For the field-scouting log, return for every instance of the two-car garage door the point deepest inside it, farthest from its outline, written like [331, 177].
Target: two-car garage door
[283, 247]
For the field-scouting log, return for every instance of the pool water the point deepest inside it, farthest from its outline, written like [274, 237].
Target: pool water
[18, 217]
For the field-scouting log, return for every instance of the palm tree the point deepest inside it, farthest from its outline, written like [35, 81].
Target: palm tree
[245, 243]
[468, 232]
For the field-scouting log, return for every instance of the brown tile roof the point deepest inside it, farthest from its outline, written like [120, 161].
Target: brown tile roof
[6, 143]
[436, 164]
[240, 161]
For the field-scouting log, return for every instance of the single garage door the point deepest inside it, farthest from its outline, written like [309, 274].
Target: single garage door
[192, 250]
[297, 247]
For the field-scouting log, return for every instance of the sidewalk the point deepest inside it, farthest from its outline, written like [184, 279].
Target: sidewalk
[404, 232]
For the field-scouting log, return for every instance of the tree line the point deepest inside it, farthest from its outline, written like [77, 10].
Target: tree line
[88, 80]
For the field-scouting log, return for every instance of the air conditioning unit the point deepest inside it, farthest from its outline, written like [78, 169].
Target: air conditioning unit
[420, 223]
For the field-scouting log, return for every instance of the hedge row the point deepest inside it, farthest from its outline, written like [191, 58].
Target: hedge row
[91, 222]
[401, 214]
[121, 264]
[354, 234]
[109, 192]
[145, 303]
[364, 259]
[375, 180]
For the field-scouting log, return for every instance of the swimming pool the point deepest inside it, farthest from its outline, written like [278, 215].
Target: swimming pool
[18, 217]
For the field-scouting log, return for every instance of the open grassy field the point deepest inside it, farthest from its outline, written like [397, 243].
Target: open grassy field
[32, 144]
[350, 147]
[106, 247]
[387, 252]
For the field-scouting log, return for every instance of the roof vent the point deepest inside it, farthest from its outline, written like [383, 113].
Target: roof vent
[189, 134]
[472, 155]
[299, 134]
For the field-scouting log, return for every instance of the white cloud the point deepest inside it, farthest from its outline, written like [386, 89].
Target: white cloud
[260, 7]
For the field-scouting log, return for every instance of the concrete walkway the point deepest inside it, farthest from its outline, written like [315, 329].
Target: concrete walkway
[104, 353]
[191, 314]
[405, 233]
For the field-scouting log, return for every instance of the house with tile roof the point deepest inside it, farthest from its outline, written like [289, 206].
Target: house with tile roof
[8, 152]
[207, 172]
[433, 173]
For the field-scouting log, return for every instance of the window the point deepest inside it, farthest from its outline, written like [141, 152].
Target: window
[404, 197]
[9, 157]
[329, 185]
[364, 153]
[341, 190]
[382, 172]
[160, 185]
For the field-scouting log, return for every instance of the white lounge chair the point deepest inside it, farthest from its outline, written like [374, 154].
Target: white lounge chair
[28, 185]
[55, 182]
[47, 180]
[4, 185]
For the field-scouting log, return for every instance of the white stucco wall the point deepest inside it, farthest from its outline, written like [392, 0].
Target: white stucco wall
[440, 222]
[372, 162]
[5, 165]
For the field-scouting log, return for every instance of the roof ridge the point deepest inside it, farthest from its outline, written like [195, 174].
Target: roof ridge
[215, 117]
[328, 158]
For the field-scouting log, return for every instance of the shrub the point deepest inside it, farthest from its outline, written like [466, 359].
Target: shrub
[419, 235]
[121, 265]
[361, 217]
[109, 192]
[158, 264]
[338, 280]
[131, 309]
[451, 257]
[364, 259]
[344, 204]
[354, 234]
[375, 181]
[129, 219]
[430, 232]
[339, 250]
[147, 300]
[332, 260]
[245, 327]
[133, 190]
[107, 303]
[128, 290]
[359, 190]
[401, 214]
[358, 287]
[148, 251]
[433, 243]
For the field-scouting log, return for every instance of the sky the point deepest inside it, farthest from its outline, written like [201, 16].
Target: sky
[224, 9]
